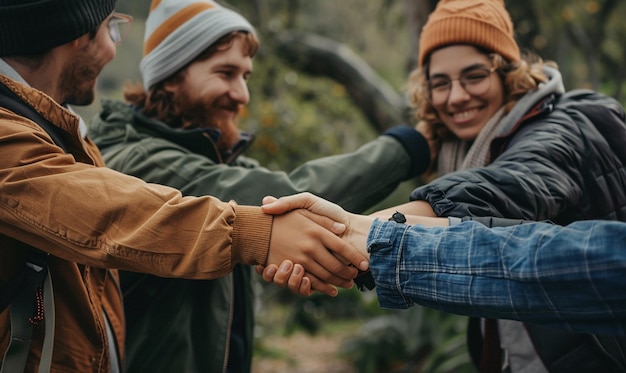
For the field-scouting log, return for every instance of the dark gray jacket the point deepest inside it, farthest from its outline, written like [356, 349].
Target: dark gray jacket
[562, 159]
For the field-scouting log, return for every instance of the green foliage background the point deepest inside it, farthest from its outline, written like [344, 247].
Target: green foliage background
[298, 117]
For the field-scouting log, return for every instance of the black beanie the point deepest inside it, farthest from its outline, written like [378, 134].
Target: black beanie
[35, 26]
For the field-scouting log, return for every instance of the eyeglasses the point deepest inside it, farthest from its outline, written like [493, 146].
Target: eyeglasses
[475, 82]
[119, 25]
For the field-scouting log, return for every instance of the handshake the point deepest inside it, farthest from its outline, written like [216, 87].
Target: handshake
[305, 258]
[316, 245]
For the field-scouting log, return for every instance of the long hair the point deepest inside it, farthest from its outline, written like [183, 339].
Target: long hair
[519, 78]
[159, 104]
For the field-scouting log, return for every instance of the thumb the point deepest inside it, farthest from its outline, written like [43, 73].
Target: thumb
[284, 204]
[269, 199]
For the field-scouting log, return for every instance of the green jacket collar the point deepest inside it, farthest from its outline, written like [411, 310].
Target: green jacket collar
[119, 120]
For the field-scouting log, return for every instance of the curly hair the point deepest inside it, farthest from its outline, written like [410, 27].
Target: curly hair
[159, 104]
[519, 78]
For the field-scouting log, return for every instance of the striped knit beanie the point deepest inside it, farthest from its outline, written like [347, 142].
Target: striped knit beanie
[36, 26]
[177, 31]
[483, 23]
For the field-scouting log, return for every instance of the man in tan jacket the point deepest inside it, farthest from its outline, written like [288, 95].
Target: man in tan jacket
[92, 221]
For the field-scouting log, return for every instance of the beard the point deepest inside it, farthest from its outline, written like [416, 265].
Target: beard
[78, 83]
[200, 114]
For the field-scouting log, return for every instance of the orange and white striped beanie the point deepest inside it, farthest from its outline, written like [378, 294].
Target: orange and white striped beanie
[177, 31]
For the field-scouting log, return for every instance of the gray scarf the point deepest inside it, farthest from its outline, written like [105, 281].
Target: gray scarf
[458, 154]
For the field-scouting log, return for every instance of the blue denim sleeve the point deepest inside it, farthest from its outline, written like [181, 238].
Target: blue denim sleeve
[570, 277]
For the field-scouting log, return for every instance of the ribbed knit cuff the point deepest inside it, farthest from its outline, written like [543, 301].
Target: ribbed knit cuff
[252, 230]
[414, 144]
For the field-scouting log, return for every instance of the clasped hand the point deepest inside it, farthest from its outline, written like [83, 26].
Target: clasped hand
[326, 243]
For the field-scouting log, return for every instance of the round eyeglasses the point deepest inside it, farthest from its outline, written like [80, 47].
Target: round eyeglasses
[119, 25]
[474, 81]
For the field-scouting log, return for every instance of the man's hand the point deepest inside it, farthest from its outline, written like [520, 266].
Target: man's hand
[356, 226]
[289, 275]
[304, 237]
[333, 218]
[307, 201]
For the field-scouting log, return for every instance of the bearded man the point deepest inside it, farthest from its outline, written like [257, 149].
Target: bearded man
[180, 129]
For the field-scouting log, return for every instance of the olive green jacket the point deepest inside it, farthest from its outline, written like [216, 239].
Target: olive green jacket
[184, 326]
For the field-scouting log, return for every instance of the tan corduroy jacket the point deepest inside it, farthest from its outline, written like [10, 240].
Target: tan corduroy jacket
[88, 217]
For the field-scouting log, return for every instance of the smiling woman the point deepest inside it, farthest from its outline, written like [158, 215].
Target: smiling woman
[464, 104]
[468, 70]
[504, 145]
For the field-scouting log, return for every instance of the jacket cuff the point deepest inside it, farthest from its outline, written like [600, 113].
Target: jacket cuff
[415, 145]
[491, 222]
[251, 235]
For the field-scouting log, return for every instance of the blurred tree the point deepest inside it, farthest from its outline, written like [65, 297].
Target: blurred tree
[416, 16]
[582, 36]
[311, 54]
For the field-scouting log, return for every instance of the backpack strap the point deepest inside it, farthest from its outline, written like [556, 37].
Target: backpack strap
[30, 277]
[34, 277]
[11, 101]
[22, 323]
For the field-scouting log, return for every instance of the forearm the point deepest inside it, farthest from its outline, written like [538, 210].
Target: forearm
[413, 208]
[127, 224]
[358, 180]
[352, 180]
[531, 272]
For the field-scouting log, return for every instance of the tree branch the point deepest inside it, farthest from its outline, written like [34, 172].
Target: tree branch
[383, 106]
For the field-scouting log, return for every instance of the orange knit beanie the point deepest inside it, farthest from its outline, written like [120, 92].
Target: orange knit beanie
[483, 23]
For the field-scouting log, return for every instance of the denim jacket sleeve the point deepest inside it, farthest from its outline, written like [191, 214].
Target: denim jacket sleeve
[569, 277]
